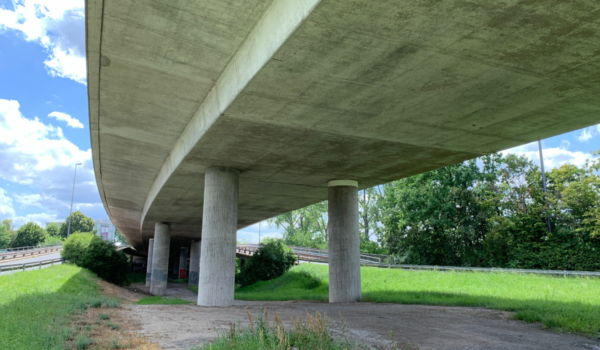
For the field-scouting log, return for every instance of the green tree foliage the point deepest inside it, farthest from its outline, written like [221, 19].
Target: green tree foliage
[495, 215]
[306, 227]
[30, 234]
[271, 260]
[53, 229]
[5, 234]
[89, 251]
[79, 223]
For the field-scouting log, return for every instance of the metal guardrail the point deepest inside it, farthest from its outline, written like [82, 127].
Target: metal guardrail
[24, 253]
[9, 250]
[27, 265]
[388, 261]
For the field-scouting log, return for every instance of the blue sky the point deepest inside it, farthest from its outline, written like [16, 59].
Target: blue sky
[44, 128]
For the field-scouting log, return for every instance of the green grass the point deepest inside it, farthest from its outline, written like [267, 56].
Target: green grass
[36, 306]
[156, 300]
[564, 304]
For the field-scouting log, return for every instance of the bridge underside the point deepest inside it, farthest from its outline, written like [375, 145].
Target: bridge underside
[295, 93]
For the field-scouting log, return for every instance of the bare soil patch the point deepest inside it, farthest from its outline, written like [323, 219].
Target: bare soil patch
[411, 326]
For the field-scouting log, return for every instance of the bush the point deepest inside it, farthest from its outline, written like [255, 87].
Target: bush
[271, 260]
[30, 234]
[53, 240]
[91, 252]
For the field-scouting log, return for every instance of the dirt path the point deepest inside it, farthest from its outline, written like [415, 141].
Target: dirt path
[413, 326]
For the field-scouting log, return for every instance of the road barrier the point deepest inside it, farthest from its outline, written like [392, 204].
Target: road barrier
[28, 265]
[19, 254]
[388, 261]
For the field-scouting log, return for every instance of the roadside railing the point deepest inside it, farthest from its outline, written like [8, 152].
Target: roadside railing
[17, 254]
[29, 265]
[388, 261]
[9, 250]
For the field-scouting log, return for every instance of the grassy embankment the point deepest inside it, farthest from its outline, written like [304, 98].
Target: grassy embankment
[564, 304]
[37, 307]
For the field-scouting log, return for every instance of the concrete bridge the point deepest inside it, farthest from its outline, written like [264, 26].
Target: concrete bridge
[207, 116]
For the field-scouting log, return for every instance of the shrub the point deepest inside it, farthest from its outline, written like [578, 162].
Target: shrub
[53, 240]
[271, 260]
[91, 252]
[30, 234]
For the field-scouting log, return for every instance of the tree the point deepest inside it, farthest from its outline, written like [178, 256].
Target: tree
[53, 229]
[30, 234]
[6, 236]
[306, 227]
[79, 223]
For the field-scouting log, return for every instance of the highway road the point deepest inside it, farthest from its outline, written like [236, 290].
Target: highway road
[29, 260]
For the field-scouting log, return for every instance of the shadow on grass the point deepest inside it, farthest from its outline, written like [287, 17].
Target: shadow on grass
[37, 306]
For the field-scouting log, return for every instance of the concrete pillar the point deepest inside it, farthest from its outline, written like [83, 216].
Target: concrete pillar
[175, 265]
[149, 262]
[160, 258]
[219, 227]
[183, 257]
[194, 263]
[344, 242]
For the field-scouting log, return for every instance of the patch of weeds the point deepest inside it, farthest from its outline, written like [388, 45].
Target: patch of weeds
[97, 322]
[67, 333]
[104, 317]
[96, 304]
[312, 332]
[114, 345]
[113, 325]
[83, 341]
[112, 304]
[78, 328]
[88, 328]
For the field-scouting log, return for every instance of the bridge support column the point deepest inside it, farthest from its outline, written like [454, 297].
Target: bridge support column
[344, 242]
[183, 256]
[160, 258]
[219, 227]
[149, 262]
[194, 263]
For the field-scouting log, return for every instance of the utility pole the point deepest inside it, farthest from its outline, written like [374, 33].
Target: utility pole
[72, 196]
[544, 185]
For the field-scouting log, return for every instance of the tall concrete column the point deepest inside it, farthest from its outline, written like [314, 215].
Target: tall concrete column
[194, 263]
[183, 257]
[219, 227]
[149, 262]
[344, 242]
[160, 258]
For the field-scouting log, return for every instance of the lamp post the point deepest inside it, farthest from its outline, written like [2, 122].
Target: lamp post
[72, 196]
[544, 185]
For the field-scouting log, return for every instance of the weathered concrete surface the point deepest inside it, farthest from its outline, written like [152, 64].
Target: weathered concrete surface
[344, 242]
[217, 258]
[149, 262]
[298, 93]
[160, 258]
[194, 262]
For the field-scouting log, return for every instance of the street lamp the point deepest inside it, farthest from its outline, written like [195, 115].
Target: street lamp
[72, 196]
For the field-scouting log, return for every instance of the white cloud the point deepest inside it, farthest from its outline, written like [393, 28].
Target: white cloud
[6, 208]
[72, 122]
[57, 25]
[40, 219]
[553, 157]
[37, 154]
[589, 133]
